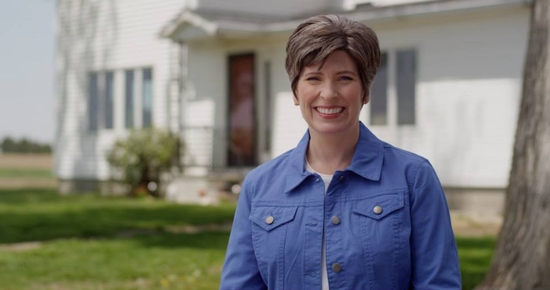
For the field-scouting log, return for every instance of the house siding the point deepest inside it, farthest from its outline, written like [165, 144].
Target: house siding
[208, 66]
[468, 89]
[469, 66]
[104, 36]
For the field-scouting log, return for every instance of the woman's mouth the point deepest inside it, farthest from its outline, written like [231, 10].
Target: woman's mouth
[329, 111]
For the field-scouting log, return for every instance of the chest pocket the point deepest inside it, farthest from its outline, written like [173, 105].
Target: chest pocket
[380, 221]
[269, 218]
[379, 207]
[269, 234]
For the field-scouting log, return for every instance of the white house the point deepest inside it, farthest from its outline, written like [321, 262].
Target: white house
[113, 74]
[448, 88]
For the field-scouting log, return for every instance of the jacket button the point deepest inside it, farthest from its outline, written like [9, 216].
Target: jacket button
[335, 220]
[269, 220]
[336, 267]
[377, 209]
[342, 178]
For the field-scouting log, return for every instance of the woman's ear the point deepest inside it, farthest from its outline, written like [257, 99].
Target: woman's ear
[366, 99]
[296, 102]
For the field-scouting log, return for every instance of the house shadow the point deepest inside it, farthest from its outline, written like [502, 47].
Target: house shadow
[210, 240]
[42, 215]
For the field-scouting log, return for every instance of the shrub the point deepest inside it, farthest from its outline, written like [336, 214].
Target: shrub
[142, 156]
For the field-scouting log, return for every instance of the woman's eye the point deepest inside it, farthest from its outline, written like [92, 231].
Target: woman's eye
[313, 79]
[346, 78]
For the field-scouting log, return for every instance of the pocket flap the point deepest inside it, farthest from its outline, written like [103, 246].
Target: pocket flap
[269, 218]
[380, 206]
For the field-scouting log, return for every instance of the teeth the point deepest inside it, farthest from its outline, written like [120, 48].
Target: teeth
[330, 111]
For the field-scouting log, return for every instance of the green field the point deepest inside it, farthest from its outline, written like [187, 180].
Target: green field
[97, 242]
[25, 173]
[77, 242]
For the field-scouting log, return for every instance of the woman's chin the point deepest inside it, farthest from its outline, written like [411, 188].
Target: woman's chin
[330, 129]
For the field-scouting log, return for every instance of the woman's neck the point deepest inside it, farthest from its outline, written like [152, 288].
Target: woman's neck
[328, 153]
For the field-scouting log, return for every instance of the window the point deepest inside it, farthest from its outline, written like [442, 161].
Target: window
[100, 100]
[102, 88]
[129, 99]
[406, 86]
[147, 90]
[93, 101]
[379, 94]
[268, 110]
[398, 71]
[109, 102]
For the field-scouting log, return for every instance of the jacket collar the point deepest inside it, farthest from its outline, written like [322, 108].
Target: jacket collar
[367, 160]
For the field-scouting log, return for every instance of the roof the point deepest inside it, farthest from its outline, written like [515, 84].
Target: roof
[206, 23]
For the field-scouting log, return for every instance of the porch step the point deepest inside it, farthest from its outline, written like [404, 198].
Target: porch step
[192, 190]
[206, 188]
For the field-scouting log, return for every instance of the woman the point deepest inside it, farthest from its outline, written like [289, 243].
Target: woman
[343, 210]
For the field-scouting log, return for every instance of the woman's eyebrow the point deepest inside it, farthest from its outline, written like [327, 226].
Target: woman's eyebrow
[346, 72]
[312, 73]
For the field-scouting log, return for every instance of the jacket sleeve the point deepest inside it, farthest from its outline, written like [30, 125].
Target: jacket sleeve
[434, 253]
[240, 269]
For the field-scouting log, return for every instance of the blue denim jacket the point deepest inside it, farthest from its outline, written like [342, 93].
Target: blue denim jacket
[385, 218]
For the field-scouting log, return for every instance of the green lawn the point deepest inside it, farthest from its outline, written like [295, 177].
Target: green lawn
[26, 173]
[113, 243]
[475, 258]
[96, 242]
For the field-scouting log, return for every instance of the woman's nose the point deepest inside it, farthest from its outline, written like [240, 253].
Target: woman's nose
[329, 90]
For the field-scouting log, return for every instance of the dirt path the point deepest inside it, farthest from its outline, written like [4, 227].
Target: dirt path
[17, 183]
[475, 225]
[22, 163]
[26, 161]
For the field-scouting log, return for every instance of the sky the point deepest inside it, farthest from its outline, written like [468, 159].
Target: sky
[27, 69]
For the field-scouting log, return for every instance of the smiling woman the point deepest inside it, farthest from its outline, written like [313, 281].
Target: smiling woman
[378, 219]
[330, 99]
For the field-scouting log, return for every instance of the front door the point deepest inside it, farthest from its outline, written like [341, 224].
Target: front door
[241, 118]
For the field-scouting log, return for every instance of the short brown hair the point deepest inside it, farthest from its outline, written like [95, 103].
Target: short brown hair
[318, 36]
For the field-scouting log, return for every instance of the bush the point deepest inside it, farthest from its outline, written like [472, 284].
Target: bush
[142, 156]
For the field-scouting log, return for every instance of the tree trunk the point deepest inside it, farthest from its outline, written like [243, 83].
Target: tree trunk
[522, 255]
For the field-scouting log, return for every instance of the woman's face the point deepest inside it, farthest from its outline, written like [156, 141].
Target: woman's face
[331, 97]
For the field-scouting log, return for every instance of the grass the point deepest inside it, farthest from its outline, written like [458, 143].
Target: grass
[115, 243]
[41, 214]
[25, 173]
[163, 261]
[475, 258]
[96, 242]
